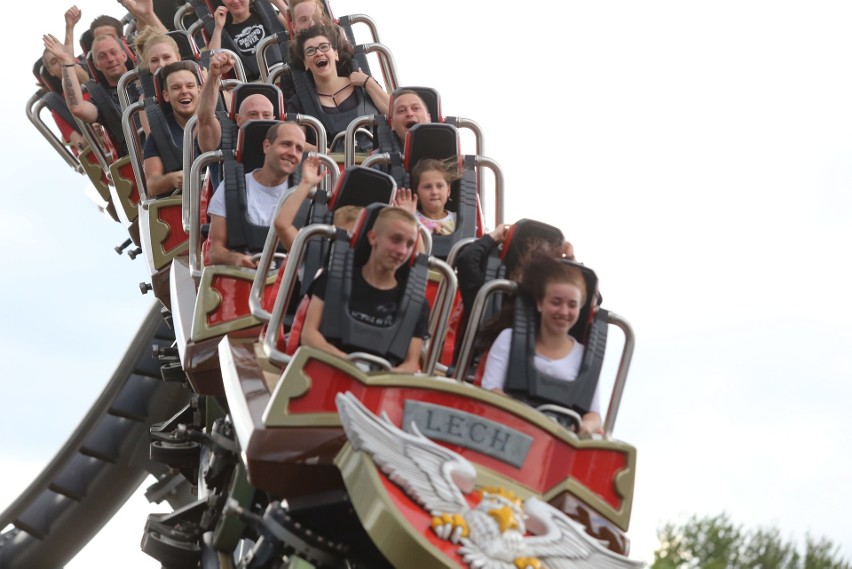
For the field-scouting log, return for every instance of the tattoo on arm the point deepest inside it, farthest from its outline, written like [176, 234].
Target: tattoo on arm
[68, 86]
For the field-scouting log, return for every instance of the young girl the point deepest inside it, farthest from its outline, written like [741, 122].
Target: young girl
[559, 292]
[432, 180]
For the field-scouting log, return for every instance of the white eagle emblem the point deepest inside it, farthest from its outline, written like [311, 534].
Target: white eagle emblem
[494, 534]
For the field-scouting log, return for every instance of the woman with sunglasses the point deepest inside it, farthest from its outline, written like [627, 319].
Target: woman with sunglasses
[324, 90]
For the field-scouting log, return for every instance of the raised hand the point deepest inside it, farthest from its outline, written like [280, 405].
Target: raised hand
[313, 171]
[220, 17]
[221, 64]
[405, 199]
[139, 8]
[72, 16]
[57, 48]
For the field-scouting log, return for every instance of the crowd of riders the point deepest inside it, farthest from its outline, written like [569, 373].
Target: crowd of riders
[212, 73]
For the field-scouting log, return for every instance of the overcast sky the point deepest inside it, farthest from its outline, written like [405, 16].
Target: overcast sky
[699, 156]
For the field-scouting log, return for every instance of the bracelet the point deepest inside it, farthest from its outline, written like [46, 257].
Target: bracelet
[367, 80]
[69, 65]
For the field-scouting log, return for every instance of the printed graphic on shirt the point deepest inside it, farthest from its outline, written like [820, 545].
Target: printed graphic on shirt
[382, 315]
[247, 39]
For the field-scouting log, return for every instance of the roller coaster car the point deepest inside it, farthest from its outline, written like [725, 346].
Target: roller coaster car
[219, 305]
[161, 218]
[292, 434]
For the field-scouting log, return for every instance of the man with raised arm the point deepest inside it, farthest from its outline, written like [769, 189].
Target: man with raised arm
[265, 188]
[253, 107]
[180, 91]
[110, 59]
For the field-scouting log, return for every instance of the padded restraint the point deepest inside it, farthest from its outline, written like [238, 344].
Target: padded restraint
[306, 92]
[244, 235]
[357, 186]
[347, 256]
[111, 114]
[56, 103]
[526, 383]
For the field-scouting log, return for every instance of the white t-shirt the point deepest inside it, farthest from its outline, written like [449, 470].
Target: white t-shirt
[565, 368]
[261, 200]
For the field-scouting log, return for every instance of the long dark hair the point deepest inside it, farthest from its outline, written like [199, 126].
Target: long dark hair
[533, 276]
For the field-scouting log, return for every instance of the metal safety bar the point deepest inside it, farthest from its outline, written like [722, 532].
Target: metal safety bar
[188, 151]
[134, 147]
[482, 161]
[285, 291]
[621, 374]
[34, 108]
[271, 243]
[124, 82]
[473, 322]
[194, 229]
[439, 320]
[239, 68]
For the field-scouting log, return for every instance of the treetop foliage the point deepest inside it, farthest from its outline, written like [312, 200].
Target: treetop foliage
[718, 543]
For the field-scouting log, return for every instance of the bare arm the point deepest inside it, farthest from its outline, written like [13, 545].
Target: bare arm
[72, 16]
[311, 335]
[219, 18]
[157, 181]
[79, 107]
[143, 11]
[219, 252]
[591, 423]
[411, 364]
[209, 129]
[312, 174]
[282, 10]
[377, 94]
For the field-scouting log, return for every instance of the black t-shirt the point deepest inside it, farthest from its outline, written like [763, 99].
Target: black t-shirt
[247, 35]
[373, 306]
[152, 149]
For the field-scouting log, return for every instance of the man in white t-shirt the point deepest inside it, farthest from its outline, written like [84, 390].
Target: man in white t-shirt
[265, 187]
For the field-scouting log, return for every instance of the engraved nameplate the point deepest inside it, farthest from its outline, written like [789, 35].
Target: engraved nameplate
[468, 430]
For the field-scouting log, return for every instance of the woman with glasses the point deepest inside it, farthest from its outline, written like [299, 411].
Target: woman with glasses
[324, 90]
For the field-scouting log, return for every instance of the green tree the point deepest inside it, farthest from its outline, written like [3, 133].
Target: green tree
[718, 543]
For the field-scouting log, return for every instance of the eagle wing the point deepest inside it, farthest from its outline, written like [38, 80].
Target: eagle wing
[561, 543]
[433, 476]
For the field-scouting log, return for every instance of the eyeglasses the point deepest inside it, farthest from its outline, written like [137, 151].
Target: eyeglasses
[322, 48]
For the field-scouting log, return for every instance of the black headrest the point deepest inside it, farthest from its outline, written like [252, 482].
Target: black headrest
[362, 186]
[520, 233]
[166, 10]
[250, 143]
[587, 312]
[186, 46]
[430, 140]
[86, 41]
[430, 97]
[363, 225]
[245, 90]
[45, 79]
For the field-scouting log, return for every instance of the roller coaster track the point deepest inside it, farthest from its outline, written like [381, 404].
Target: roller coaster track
[101, 465]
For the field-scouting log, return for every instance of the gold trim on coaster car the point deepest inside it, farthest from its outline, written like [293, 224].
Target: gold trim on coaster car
[295, 382]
